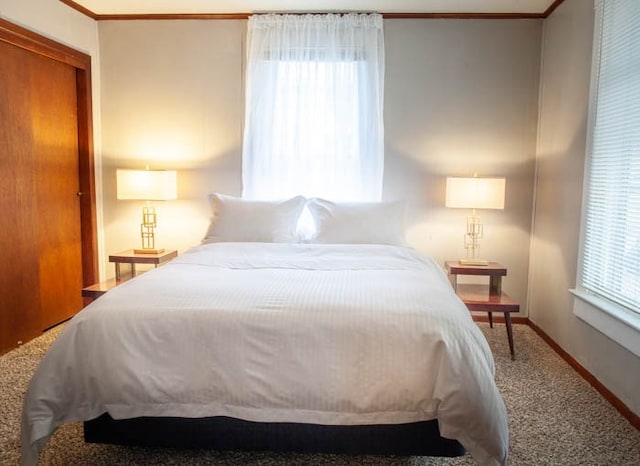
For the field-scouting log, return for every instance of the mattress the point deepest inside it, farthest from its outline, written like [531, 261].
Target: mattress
[268, 332]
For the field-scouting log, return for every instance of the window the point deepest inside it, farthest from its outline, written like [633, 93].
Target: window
[324, 144]
[313, 123]
[610, 269]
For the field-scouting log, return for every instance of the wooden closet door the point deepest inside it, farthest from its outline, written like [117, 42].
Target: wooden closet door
[41, 271]
[55, 149]
[19, 282]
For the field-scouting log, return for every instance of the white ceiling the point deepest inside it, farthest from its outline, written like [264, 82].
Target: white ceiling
[104, 7]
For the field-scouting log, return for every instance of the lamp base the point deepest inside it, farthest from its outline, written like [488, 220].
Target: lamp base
[473, 262]
[148, 251]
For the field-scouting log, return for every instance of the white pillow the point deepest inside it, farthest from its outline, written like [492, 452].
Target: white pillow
[358, 222]
[236, 219]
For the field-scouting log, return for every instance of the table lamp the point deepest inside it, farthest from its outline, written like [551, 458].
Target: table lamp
[474, 193]
[147, 185]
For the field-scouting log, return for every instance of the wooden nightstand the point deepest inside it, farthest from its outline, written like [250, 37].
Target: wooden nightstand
[126, 257]
[131, 258]
[485, 298]
[98, 289]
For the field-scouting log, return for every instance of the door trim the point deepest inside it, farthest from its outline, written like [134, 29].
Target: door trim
[36, 43]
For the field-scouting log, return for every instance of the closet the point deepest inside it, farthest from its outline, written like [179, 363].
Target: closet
[46, 194]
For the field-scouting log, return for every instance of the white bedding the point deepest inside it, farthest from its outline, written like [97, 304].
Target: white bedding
[327, 334]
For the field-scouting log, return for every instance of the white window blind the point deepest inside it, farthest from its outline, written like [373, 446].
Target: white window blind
[611, 248]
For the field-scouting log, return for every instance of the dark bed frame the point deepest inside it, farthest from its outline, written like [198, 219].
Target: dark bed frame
[225, 433]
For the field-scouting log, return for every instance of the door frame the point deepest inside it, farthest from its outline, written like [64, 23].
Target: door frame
[36, 43]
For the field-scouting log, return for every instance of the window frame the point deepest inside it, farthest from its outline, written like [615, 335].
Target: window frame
[614, 320]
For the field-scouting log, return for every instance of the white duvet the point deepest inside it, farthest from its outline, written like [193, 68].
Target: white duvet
[326, 334]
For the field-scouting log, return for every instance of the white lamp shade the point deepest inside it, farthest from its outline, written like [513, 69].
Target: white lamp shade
[147, 185]
[475, 193]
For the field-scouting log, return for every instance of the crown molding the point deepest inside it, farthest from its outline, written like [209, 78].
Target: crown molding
[552, 7]
[224, 16]
[80, 8]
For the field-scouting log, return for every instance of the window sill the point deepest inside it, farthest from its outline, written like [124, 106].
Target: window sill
[619, 324]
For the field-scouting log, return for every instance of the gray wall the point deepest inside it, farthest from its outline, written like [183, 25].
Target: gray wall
[172, 94]
[564, 99]
[55, 20]
[460, 97]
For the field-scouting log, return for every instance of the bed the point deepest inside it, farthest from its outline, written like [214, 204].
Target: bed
[340, 341]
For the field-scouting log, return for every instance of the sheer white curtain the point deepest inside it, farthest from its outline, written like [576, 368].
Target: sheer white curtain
[314, 95]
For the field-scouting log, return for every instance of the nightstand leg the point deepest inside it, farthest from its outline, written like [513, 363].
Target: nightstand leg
[490, 319]
[495, 284]
[117, 271]
[507, 321]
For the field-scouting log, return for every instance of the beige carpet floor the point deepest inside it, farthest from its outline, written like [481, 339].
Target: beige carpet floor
[555, 418]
